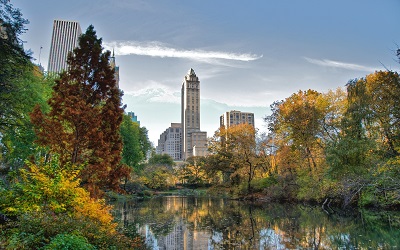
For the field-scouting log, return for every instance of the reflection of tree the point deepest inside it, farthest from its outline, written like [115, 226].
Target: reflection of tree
[238, 225]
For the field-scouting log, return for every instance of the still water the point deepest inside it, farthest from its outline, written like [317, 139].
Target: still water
[205, 223]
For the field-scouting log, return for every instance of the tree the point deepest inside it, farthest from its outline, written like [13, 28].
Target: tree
[363, 158]
[132, 153]
[14, 62]
[193, 171]
[145, 143]
[297, 121]
[162, 160]
[16, 142]
[83, 124]
[22, 85]
[300, 125]
[234, 151]
[383, 88]
[158, 173]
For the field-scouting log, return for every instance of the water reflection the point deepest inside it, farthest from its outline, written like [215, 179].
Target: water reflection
[206, 223]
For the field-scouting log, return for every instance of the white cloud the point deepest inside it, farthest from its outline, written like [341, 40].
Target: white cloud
[157, 49]
[342, 65]
[155, 92]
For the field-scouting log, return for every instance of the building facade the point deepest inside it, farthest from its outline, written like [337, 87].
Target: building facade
[115, 68]
[170, 142]
[134, 117]
[192, 136]
[234, 117]
[64, 39]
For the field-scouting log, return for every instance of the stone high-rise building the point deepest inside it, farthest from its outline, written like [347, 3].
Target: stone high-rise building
[234, 117]
[170, 142]
[194, 141]
[64, 39]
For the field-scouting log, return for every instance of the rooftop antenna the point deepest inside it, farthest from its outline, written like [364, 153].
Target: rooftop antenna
[40, 52]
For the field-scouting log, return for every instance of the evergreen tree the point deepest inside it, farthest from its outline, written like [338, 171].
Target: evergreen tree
[86, 113]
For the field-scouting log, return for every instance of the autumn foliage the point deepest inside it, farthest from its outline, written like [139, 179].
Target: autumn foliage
[82, 126]
[50, 204]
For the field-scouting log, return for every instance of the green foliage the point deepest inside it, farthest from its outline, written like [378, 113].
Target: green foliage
[41, 187]
[161, 160]
[136, 144]
[14, 60]
[367, 198]
[18, 137]
[35, 230]
[145, 143]
[349, 156]
[158, 177]
[384, 187]
[337, 147]
[21, 87]
[193, 172]
[158, 173]
[47, 201]
[236, 153]
[69, 242]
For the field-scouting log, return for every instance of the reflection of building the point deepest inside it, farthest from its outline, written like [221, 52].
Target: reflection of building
[192, 137]
[182, 237]
[64, 39]
[234, 117]
[176, 239]
[170, 142]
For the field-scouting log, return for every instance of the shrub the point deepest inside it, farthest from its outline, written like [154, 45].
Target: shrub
[69, 242]
[48, 201]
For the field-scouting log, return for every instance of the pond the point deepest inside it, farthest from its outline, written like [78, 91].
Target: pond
[175, 222]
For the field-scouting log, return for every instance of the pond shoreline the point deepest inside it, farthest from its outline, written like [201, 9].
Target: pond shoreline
[223, 223]
[327, 205]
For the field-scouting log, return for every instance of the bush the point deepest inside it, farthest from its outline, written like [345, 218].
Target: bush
[69, 242]
[36, 230]
[260, 185]
[48, 201]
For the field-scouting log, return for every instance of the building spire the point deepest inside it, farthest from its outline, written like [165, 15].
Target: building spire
[191, 72]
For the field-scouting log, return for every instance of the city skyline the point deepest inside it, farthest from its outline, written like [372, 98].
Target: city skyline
[247, 54]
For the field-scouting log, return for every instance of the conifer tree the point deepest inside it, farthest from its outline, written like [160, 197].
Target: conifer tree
[86, 113]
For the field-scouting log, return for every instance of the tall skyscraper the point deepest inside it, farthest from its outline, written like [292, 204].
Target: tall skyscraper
[194, 141]
[64, 39]
[115, 67]
[234, 117]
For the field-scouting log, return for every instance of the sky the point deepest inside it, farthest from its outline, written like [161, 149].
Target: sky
[247, 54]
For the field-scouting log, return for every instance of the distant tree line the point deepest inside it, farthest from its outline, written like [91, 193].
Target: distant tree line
[341, 147]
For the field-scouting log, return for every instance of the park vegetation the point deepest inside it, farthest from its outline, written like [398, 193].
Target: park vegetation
[66, 145]
[339, 148]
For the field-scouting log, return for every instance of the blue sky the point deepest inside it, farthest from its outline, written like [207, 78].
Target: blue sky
[247, 54]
